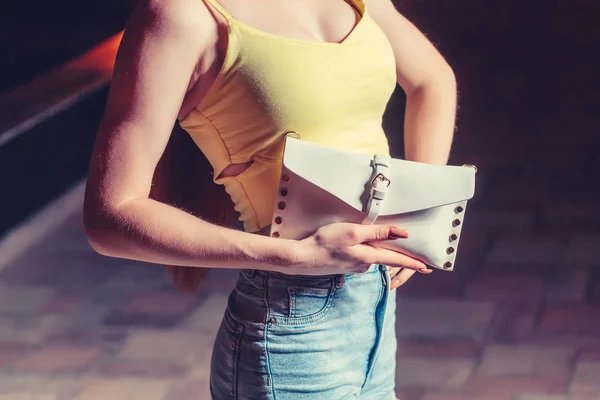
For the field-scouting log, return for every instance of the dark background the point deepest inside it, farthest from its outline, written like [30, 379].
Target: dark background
[40, 35]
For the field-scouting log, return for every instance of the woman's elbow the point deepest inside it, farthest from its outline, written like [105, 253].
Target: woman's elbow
[441, 75]
[98, 229]
[94, 237]
[448, 75]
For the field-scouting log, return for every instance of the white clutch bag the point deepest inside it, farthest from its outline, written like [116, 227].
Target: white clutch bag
[321, 185]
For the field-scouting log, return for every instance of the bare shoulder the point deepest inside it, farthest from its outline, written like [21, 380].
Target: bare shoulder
[380, 9]
[175, 17]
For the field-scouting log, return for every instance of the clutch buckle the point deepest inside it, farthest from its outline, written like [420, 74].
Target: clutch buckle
[382, 178]
[379, 186]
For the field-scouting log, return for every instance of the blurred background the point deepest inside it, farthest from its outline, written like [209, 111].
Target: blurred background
[518, 319]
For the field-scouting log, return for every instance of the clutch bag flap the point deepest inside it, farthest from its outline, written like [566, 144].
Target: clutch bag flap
[321, 185]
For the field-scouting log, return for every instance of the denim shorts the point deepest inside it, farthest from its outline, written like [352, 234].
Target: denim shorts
[289, 337]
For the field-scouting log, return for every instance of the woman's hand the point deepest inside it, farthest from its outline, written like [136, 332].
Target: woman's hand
[399, 276]
[343, 248]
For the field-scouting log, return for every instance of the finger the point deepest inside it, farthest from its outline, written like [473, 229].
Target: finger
[400, 278]
[365, 233]
[390, 257]
[393, 271]
[378, 255]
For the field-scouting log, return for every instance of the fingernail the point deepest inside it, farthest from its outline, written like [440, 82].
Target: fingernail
[396, 233]
[425, 271]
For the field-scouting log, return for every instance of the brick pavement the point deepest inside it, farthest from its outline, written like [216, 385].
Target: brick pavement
[519, 319]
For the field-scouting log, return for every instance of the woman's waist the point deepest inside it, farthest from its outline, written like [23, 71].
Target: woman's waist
[264, 231]
[260, 279]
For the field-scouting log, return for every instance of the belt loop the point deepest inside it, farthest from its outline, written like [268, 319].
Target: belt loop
[339, 281]
[250, 273]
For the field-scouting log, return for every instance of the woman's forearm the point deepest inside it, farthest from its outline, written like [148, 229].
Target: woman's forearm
[147, 230]
[430, 119]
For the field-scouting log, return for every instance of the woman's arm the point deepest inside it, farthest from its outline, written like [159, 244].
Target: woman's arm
[428, 82]
[165, 43]
[430, 88]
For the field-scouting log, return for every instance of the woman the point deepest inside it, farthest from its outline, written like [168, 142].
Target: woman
[309, 319]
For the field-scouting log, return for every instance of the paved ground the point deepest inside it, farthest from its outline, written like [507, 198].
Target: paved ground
[519, 319]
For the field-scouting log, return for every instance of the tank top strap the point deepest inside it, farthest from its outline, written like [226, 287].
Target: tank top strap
[221, 10]
[359, 6]
[353, 3]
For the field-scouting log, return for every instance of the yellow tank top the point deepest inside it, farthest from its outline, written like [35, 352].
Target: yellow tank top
[331, 93]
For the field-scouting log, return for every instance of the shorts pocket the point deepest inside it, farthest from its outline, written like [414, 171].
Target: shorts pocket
[306, 306]
[307, 301]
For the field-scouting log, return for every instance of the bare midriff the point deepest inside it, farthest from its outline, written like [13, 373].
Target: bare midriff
[235, 169]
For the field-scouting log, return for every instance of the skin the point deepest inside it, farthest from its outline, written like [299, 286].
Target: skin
[170, 55]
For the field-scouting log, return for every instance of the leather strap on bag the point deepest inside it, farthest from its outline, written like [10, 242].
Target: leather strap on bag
[379, 185]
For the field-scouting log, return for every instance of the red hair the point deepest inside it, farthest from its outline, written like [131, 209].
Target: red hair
[183, 178]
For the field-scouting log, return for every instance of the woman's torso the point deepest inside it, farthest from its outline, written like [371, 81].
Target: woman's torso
[322, 69]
